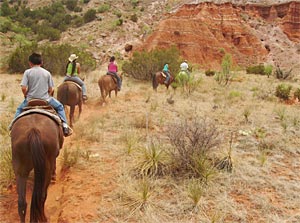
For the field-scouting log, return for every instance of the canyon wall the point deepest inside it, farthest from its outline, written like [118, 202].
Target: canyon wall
[204, 32]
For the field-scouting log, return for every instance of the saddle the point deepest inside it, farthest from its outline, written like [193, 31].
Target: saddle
[73, 82]
[38, 106]
[113, 76]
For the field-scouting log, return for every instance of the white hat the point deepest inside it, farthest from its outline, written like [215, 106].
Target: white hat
[72, 57]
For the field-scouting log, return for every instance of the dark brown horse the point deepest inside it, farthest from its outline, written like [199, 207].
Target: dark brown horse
[107, 84]
[159, 78]
[69, 93]
[36, 140]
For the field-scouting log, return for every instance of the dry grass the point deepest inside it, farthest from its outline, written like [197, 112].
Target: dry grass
[262, 187]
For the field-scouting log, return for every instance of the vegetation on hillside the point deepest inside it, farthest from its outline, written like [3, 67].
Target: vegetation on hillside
[144, 64]
[54, 58]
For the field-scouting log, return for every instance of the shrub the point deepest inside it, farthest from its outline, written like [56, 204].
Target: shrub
[144, 64]
[54, 58]
[71, 4]
[268, 70]
[297, 93]
[18, 60]
[224, 77]
[89, 16]
[103, 8]
[283, 91]
[281, 74]
[192, 144]
[210, 73]
[134, 18]
[258, 69]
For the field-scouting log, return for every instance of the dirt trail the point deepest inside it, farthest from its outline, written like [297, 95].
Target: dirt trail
[79, 191]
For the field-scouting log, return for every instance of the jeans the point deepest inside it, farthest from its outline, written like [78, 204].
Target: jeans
[59, 108]
[119, 81]
[167, 76]
[77, 80]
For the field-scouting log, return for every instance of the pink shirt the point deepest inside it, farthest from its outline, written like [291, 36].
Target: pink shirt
[112, 67]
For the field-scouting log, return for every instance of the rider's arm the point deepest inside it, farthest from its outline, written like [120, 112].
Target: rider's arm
[50, 90]
[78, 68]
[24, 90]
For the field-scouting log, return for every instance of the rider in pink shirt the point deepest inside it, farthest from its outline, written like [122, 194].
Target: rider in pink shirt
[112, 70]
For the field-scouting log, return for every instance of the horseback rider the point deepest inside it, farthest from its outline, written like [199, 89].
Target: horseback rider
[184, 67]
[167, 73]
[37, 83]
[113, 70]
[72, 72]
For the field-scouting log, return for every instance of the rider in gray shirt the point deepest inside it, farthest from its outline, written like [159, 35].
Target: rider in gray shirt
[37, 83]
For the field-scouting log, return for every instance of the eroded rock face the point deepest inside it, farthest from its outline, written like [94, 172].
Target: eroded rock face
[204, 32]
[286, 15]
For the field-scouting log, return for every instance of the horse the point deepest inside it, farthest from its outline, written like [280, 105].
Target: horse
[159, 78]
[107, 84]
[35, 141]
[69, 93]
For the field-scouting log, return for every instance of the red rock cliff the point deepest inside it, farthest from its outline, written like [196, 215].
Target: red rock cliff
[203, 32]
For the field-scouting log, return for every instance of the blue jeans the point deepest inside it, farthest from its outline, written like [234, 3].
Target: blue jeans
[77, 80]
[167, 76]
[59, 108]
[119, 81]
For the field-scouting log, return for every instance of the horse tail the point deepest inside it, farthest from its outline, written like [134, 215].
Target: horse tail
[154, 82]
[39, 164]
[65, 93]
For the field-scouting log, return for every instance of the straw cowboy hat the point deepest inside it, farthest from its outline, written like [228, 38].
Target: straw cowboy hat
[72, 57]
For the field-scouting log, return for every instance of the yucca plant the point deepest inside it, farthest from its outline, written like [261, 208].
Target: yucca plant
[151, 160]
[138, 197]
[195, 191]
[226, 162]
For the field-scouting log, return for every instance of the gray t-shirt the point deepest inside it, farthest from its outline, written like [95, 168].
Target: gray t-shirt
[38, 81]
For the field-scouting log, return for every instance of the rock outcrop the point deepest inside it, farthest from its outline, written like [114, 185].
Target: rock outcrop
[203, 32]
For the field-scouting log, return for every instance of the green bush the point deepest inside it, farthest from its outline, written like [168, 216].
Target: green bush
[283, 91]
[257, 69]
[210, 73]
[297, 93]
[134, 18]
[18, 60]
[54, 58]
[103, 8]
[89, 16]
[71, 4]
[268, 70]
[144, 64]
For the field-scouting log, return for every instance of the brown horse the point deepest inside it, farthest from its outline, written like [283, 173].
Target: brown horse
[36, 140]
[69, 93]
[107, 84]
[159, 78]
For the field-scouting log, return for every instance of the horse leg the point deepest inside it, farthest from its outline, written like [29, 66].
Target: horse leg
[80, 108]
[21, 188]
[72, 110]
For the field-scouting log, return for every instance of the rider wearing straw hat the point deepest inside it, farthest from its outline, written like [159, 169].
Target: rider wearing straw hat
[72, 72]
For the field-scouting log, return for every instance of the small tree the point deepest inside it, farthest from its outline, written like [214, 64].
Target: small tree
[224, 77]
